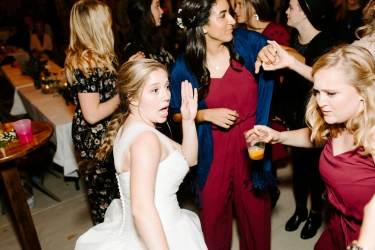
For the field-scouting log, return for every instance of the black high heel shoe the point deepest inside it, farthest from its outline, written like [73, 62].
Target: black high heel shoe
[312, 225]
[299, 215]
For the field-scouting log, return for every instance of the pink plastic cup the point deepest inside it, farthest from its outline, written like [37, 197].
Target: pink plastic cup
[23, 130]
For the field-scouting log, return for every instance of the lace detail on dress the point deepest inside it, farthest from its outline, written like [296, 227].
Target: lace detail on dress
[122, 203]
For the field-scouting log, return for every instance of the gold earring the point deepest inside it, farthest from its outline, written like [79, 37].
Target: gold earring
[256, 17]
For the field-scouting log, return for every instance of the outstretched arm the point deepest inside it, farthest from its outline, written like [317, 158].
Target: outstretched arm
[297, 138]
[273, 57]
[143, 170]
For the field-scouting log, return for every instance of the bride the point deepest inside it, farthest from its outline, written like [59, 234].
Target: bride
[150, 167]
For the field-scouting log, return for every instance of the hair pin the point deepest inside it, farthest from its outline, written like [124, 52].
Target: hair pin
[180, 23]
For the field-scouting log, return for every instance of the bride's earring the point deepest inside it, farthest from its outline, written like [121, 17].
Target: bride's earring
[256, 17]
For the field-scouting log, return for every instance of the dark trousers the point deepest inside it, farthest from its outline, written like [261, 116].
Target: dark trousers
[306, 176]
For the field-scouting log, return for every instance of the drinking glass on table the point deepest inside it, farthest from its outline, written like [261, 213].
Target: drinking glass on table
[23, 130]
[256, 145]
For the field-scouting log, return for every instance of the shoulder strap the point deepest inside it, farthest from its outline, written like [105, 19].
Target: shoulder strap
[124, 140]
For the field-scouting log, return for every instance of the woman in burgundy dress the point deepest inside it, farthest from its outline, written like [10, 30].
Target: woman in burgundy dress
[219, 62]
[341, 116]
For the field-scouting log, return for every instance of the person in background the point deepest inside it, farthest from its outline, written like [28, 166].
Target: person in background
[340, 114]
[219, 61]
[29, 24]
[144, 34]
[346, 19]
[366, 33]
[273, 57]
[17, 38]
[307, 19]
[254, 15]
[40, 41]
[150, 166]
[90, 70]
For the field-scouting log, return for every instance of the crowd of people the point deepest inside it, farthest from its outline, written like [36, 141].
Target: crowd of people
[139, 126]
[31, 36]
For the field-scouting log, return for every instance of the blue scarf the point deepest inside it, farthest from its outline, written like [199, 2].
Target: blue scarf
[247, 44]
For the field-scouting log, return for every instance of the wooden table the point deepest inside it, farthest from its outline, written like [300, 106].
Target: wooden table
[50, 108]
[42, 131]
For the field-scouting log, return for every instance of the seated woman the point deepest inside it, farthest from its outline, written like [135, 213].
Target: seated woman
[40, 41]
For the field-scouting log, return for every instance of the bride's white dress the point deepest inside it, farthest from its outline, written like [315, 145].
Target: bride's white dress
[182, 227]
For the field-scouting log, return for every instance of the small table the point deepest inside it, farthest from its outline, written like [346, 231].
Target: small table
[42, 132]
[49, 108]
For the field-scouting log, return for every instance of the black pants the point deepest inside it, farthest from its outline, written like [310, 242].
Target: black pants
[306, 176]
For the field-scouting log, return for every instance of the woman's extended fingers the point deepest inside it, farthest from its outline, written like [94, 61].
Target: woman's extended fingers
[267, 57]
[189, 100]
[187, 90]
[195, 94]
[232, 115]
[137, 56]
[269, 53]
[255, 130]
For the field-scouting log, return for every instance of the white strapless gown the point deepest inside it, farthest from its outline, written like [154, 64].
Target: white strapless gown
[182, 227]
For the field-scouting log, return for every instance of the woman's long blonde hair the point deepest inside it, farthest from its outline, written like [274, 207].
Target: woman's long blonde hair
[368, 18]
[91, 39]
[356, 64]
[131, 79]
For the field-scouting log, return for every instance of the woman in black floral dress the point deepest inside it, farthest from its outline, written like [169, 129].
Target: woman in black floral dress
[89, 68]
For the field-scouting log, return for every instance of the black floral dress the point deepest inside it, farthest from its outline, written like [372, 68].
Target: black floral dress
[100, 180]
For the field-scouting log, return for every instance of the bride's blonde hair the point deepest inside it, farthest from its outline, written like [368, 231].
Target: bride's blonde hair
[131, 79]
[91, 39]
[356, 65]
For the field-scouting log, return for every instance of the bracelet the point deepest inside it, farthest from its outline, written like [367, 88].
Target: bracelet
[353, 246]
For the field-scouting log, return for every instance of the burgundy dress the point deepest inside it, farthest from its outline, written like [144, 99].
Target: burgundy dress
[277, 32]
[350, 182]
[231, 167]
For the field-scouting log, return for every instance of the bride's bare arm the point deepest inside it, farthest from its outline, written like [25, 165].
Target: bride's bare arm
[145, 155]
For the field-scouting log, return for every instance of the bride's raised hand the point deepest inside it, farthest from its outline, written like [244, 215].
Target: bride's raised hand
[189, 104]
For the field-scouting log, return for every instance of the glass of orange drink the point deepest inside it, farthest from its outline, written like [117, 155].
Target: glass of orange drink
[256, 145]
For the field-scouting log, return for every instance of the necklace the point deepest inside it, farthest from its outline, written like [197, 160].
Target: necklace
[216, 66]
